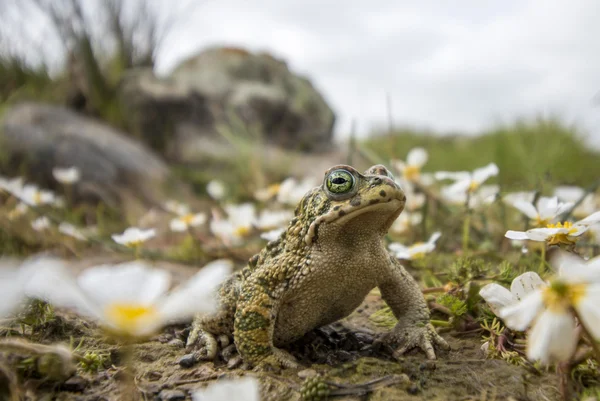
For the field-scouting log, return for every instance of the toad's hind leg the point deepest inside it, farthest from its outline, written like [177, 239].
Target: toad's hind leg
[208, 331]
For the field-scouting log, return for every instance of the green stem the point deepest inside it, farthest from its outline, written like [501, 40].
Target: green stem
[440, 323]
[543, 258]
[466, 232]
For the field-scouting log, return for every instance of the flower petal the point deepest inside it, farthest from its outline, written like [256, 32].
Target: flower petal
[496, 296]
[198, 294]
[482, 174]
[525, 284]
[132, 282]
[243, 389]
[552, 337]
[417, 157]
[526, 208]
[518, 235]
[588, 311]
[519, 316]
[591, 219]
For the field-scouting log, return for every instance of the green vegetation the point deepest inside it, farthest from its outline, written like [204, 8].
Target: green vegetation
[530, 154]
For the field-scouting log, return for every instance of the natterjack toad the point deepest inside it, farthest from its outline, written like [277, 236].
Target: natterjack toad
[318, 271]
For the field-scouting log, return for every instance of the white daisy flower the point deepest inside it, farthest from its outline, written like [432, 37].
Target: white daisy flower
[292, 191]
[133, 236]
[72, 231]
[405, 222]
[33, 196]
[511, 197]
[411, 169]
[18, 211]
[497, 297]
[66, 175]
[549, 309]
[485, 195]
[268, 193]
[14, 276]
[41, 223]
[414, 251]
[130, 299]
[12, 186]
[238, 224]
[555, 234]
[573, 194]
[272, 219]
[176, 207]
[273, 234]
[183, 223]
[544, 211]
[242, 389]
[466, 181]
[216, 189]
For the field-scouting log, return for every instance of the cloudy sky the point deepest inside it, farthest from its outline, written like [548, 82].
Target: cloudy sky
[445, 67]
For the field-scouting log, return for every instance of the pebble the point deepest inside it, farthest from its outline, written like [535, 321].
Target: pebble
[188, 360]
[171, 395]
[306, 373]
[75, 384]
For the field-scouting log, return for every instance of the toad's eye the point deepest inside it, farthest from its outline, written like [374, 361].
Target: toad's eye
[340, 181]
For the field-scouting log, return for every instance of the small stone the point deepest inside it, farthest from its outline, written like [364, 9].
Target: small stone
[75, 384]
[306, 373]
[428, 365]
[176, 343]
[171, 395]
[413, 389]
[188, 360]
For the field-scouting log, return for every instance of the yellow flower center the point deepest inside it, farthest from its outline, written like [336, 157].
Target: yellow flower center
[562, 238]
[37, 198]
[273, 189]
[473, 186]
[411, 173]
[128, 318]
[559, 296]
[134, 244]
[539, 222]
[242, 231]
[187, 219]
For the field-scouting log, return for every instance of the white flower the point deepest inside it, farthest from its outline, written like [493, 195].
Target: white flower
[71, 231]
[183, 223]
[18, 211]
[555, 234]
[130, 299]
[292, 191]
[545, 210]
[11, 185]
[273, 234]
[41, 223]
[498, 297]
[33, 196]
[272, 219]
[133, 236]
[238, 225]
[13, 277]
[66, 175]
[468, 181]
[573, 194]
[405, 222]
[411, 169]
[178, 208]
[216, 189]
[485, 195]
[268, 193]
[243, 389]
[512, 197]
[414, 251]
[549, 309]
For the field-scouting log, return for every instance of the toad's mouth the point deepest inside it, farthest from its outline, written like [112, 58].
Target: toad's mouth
[384, 210]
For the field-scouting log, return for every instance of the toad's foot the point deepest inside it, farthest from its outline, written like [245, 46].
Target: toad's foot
[278, 359]
[206, 344]
[421, 335]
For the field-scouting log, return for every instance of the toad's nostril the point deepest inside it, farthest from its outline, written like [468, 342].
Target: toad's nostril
[377, 181]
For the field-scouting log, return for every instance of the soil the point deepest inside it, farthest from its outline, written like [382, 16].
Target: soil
[342, 353]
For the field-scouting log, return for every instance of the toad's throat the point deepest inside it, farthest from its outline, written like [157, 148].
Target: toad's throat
[391, 206]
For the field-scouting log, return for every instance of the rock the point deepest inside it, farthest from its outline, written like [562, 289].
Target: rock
[171, 395]
[114, 167]
[226, 87]
[188, 360]
[75, 384]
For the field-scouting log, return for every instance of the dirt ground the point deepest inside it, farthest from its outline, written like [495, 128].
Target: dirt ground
[341, 353]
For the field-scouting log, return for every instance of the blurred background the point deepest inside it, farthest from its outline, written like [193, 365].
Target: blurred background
[152, 99]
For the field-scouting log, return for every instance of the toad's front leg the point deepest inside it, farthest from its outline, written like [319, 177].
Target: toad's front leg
[403, 295]
[255, 324]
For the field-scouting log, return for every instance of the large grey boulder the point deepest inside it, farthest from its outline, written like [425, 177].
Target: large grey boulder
[226, 88]
[115, 168]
